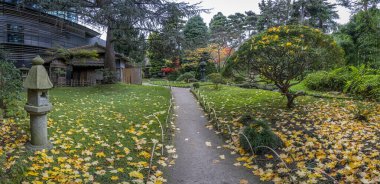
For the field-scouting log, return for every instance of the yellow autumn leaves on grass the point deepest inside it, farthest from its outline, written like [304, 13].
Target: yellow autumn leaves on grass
[324, 141]
[100, 134]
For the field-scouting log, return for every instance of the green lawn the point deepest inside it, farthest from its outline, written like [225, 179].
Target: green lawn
[100, 134]
[320, 135]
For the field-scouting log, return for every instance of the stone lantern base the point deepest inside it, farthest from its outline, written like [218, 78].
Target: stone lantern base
[31, 147]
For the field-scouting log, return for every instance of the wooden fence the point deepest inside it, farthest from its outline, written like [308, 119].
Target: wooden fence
[132, 76]
[75, 83]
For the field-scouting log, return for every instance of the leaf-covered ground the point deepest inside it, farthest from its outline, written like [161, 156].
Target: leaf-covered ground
[100, 134]
[325, 139]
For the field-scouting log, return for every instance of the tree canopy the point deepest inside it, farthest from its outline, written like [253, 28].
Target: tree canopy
[196, 33]
[285, 54]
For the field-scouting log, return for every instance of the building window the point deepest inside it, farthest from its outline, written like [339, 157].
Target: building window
[15, 33]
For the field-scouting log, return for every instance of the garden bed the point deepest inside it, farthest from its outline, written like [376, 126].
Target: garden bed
[100, 134]
[325, 139]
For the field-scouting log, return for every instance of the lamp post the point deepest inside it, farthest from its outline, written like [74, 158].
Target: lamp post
[37, 83]
[202, 65]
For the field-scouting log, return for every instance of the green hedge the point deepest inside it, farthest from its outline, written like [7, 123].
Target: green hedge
[361, 82]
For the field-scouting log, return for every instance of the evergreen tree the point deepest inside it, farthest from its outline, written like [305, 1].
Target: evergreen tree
[219, 34]
[357, 5]
[274, 13]
[236, 29]
[315, 13]
[360, 38]
[250, 22]
[196, 33]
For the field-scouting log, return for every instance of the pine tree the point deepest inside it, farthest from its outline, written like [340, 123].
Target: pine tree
[196, 33]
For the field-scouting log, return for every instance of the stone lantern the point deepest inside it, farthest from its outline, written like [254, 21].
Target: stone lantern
[202, 66]
[38, 83]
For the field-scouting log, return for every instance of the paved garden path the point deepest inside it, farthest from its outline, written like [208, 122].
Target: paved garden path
[197, 162]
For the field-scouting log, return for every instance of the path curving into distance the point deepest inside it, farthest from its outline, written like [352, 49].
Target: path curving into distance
[198, 162]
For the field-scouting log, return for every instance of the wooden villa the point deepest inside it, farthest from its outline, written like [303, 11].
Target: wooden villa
[87, 72]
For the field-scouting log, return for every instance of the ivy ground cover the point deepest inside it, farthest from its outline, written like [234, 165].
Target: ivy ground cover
[326, 140]
[100, 134]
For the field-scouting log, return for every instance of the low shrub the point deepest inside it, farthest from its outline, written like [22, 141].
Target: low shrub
[330, 81]
[196, 85]
[173, 75]
[317, 81]
[367, 86]
[239, 79]
[186, 77]
[10, 89]
[259, 133]
[217, 79]
[338, 78]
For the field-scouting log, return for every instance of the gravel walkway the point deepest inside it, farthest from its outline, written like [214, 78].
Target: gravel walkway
[197, 161]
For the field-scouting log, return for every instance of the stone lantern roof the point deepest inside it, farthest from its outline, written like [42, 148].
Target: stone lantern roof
[38, 77]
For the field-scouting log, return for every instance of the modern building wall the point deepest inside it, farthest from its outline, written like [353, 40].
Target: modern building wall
[25, 33]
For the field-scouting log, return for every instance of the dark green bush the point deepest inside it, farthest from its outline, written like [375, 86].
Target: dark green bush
[239, 79]
[367, 86]
[362, 82]
[173, 76]
[259, 133]
[186, 77]
[318, 81]
[10, 88]
[196, 85]
[217, 79]
[330, 81]
[339, 77]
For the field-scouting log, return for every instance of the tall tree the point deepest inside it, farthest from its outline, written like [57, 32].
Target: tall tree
[274, 13]
[196, 33]
[236, 29]
[250, 22]
[360, 38]
[357, 5]
[315, 13]
[131, 43]
[167, 44]
[219, 34]
[143, 15]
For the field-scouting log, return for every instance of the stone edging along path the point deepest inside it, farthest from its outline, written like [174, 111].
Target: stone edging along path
[201, 158]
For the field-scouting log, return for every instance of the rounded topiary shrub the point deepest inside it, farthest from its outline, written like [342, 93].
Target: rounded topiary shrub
[259, 133]
[187, 77]
[217, 79]
[196, 85]
[317, 81]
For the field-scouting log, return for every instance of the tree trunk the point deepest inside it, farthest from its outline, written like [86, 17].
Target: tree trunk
[290, 98]
[109, 59]
[219, 60]
[2, 109]
[302, 13]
